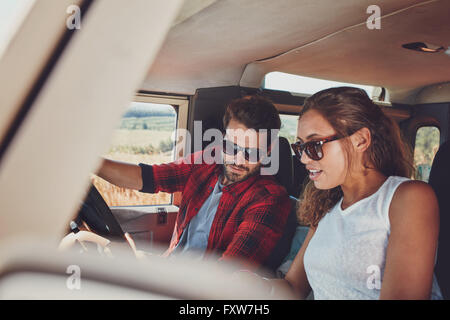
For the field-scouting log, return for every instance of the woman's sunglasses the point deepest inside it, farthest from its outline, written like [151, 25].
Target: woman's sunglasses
[313, 149]
[250, 154]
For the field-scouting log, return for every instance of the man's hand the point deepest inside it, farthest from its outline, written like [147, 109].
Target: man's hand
[103, 244]
[139, 254]
[84, 236]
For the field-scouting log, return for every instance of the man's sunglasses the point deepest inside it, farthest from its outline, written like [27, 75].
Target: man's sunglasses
[313, 149]
[250, 154]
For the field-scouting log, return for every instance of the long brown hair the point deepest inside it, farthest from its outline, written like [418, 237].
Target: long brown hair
[349, 109]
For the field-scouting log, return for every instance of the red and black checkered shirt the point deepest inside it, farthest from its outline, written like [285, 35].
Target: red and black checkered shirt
[250, 217]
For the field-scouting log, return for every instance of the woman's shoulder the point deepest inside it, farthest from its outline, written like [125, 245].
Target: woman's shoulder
[405, 187]
[412, 188]
[413, 197]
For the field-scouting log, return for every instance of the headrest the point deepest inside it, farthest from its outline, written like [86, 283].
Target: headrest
[440, 170]
[285, 174]
[440, 182]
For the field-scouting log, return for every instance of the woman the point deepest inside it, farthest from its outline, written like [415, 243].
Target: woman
[373, 231]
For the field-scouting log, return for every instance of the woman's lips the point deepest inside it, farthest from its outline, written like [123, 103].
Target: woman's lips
[314, 174]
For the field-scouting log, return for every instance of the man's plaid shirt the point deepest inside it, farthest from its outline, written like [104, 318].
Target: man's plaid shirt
[249, 220]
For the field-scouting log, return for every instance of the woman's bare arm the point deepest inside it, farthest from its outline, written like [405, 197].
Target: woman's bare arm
[295, 278]
[410, 257]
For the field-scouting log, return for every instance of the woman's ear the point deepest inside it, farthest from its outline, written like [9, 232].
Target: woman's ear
[361, 139]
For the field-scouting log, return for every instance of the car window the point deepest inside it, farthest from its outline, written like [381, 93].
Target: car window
[289, 127]
[144, 134]
[304, 85]
[426, 146]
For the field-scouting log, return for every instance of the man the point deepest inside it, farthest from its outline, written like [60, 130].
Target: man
[227, 208]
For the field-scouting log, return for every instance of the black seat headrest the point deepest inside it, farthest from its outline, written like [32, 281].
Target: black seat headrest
[440, 182]
[285, 174]
[300, 176]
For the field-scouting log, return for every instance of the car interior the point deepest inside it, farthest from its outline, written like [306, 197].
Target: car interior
[65, 90]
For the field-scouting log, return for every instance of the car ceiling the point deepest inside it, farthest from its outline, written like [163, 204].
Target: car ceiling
[236, 42]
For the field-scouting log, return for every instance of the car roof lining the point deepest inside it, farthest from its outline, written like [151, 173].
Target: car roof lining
[223, 43]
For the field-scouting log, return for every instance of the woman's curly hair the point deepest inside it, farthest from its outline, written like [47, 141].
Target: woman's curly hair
[349, 109]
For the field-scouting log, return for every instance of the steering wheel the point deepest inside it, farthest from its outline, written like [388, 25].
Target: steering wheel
[96, 214]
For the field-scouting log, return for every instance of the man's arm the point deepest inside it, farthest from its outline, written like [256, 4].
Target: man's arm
[170, 177]
[121, 174]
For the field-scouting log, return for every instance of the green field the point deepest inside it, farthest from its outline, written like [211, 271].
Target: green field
[144, 135]
[155, 123]
[145, 139]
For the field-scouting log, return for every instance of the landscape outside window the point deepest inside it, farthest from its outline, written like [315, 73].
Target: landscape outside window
[427, 144]
[289, 127]
[144, 134]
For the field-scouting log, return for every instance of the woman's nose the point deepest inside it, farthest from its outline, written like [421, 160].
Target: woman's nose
[305, 159]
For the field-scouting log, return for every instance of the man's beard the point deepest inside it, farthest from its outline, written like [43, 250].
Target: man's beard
[235, 177]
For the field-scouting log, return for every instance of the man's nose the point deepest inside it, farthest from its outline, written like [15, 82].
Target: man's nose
[240, 158]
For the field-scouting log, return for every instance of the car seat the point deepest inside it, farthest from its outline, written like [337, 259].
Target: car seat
[440, 182]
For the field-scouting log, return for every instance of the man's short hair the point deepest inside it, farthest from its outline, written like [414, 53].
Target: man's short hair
[255, 112]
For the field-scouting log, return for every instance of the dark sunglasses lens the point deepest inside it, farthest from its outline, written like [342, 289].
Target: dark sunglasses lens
[252, 154]
[232, 149]
[297, 150]
[314, 151]
[228, 147]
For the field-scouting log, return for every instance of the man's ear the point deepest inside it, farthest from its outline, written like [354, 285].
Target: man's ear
[361, 139]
